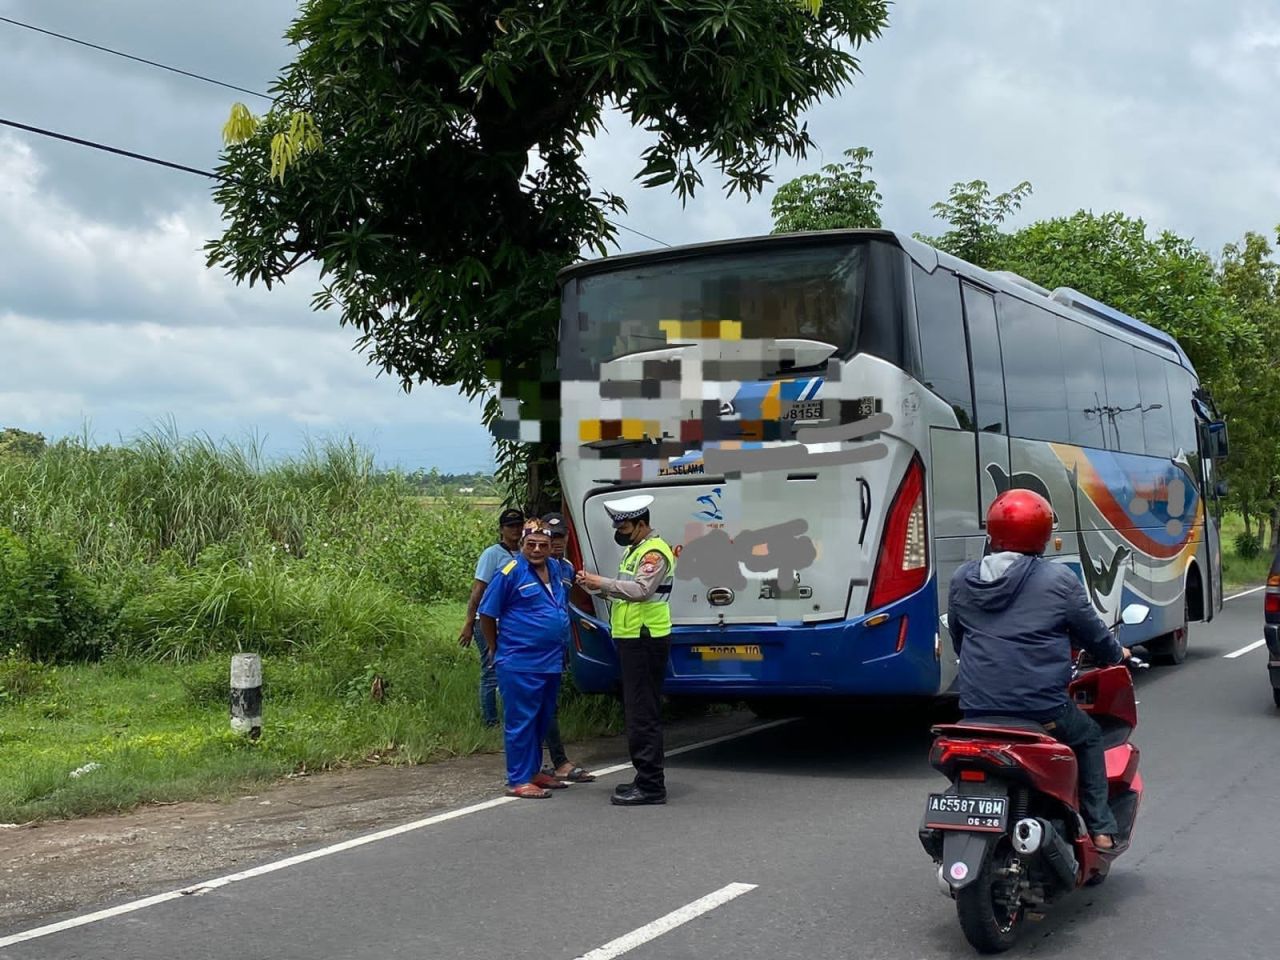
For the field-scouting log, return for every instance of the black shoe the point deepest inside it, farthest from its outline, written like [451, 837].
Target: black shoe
[635, 797]
[624, 787]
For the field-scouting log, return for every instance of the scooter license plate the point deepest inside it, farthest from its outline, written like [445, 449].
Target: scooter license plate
[947, 811]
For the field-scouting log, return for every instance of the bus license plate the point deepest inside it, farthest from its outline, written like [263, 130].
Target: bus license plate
[808, 410]
[948, 811]
[747, 652]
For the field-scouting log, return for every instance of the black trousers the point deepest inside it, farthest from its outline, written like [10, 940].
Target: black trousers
[644, 665]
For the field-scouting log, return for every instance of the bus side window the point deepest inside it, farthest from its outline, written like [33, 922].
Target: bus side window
[944, 354]
[1086, 386]
[1157, 416]
[1181, 386]
[1033, 380]
[1124, 403]
[988, 371]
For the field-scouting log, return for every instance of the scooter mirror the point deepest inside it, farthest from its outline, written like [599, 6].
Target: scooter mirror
[1135, 613]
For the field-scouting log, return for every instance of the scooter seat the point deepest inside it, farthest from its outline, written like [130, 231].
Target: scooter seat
[1012, 723]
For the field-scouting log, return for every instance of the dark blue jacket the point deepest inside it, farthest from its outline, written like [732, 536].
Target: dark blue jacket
[1013, 621]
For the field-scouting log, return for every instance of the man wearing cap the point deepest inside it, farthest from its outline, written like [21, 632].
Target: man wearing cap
[523, 617]
[640, 621]
[562, 768]
[491, 560]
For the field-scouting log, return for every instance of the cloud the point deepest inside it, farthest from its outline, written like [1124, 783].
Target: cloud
[1153, 108]
[1149, 109]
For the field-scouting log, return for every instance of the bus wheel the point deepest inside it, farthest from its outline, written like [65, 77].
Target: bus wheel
[1171, 649]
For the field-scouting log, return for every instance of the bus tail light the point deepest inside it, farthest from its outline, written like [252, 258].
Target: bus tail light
[902, 566]
[1271, 605]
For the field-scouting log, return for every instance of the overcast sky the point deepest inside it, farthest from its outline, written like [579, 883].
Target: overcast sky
[1160, 108]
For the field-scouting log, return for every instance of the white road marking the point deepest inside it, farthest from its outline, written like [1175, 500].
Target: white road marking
[676, 918]
[201, 888]
[619, 767]
[1243, 650]
[1244, 593]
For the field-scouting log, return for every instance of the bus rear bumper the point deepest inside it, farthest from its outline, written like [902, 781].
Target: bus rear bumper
[898, 656]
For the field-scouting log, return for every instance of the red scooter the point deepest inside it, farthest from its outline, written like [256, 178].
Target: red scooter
[1007, 834]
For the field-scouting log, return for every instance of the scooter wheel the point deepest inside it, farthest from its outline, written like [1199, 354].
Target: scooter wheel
[1097, 880]
[990, 924]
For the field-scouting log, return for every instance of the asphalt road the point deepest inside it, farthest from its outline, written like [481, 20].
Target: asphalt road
[820, 820]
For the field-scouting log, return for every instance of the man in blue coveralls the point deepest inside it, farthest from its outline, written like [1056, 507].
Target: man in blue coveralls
[527, 596]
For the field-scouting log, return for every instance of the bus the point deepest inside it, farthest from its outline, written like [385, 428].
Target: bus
[823, 419]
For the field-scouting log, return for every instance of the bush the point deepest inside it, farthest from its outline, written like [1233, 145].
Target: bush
[49, 612]
[21, 679]
[1248, 546]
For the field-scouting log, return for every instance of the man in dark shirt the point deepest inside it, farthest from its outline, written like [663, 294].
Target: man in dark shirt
[1013, 619]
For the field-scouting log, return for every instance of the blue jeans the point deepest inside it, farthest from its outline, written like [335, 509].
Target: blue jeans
[488, 683]
[1077, 730]
[1072, 726]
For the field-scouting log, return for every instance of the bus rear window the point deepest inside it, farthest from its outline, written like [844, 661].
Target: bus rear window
[818, 293]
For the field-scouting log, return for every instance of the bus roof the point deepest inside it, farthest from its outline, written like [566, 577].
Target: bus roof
[1064, 299]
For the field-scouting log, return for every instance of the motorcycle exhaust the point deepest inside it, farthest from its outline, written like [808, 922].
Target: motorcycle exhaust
[1057, 853]
[1028, 835]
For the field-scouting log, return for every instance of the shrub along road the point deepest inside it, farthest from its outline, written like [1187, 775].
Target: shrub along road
[817, 819]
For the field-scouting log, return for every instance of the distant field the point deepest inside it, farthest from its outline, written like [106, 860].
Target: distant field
[430, 501]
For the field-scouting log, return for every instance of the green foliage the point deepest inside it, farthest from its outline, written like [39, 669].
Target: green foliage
[22, 679]
[438, 240]
[48, 611]
[842, 196]
[975, 218]
[20, 443]
[1250, 280]
[1247, 546]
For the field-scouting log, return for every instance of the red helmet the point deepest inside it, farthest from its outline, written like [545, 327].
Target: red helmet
[1021, 521]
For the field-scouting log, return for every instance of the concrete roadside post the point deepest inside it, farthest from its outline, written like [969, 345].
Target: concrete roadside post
[246, 694]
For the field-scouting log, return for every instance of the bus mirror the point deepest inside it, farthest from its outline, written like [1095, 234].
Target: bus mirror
[1220, 489]
[1218, 445]
[1134, 614]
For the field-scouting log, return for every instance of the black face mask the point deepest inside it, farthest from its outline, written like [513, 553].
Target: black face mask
[621, 539]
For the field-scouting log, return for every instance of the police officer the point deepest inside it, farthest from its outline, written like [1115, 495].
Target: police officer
[640, 620]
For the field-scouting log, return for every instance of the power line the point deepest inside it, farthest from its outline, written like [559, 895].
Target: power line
[146, 158]
[623, 226]
[194, 76]
[130, 56]
[94, 145]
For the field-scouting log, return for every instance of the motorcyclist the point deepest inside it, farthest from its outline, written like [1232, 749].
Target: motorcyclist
[1014, 618]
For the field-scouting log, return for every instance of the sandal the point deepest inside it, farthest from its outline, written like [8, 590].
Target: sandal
[548, 782]
[576, 775]
[528, 791]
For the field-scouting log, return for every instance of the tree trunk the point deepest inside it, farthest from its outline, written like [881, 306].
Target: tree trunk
[1248, 522]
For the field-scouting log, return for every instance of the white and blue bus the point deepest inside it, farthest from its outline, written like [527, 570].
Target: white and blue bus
[823, 420]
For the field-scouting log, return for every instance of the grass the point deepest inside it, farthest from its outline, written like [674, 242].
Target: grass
[129, 575]
[1240, 572]
[159, 731]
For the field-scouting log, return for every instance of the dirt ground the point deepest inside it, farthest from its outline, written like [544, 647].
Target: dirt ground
[58, 868]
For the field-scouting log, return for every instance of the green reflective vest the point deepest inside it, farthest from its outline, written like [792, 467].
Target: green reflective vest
[626, 616]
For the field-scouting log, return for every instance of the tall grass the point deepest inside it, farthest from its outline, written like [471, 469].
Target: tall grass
[158, 558]
[197, 546]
